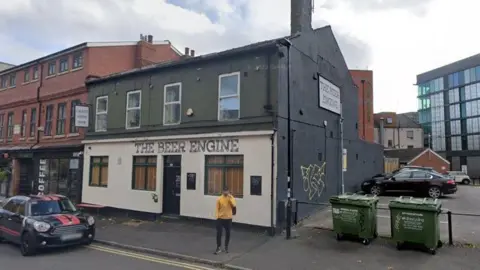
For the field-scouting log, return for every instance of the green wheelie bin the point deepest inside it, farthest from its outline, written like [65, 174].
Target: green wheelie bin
[416, 221]
[355, 215]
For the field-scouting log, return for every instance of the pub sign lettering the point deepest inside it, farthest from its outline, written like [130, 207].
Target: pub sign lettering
[191, 146]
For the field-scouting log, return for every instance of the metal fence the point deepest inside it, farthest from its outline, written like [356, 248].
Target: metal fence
[462, 230]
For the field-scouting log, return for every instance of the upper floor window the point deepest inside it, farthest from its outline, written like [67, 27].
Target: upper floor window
[61, 118]
[33, 122]
[134, 105]
[13, 80]
[77, 60]
[48, 121]
[101, 113]
[73, 128]
[410, 134]
[229, 96]
[35, 73]
[10, 125]
[63, 65]
[4, 82]
[26, 75]
[23, 128]
[51, 68]
[172, 103]
[2, 123]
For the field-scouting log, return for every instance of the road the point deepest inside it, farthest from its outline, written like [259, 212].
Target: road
[92, 257]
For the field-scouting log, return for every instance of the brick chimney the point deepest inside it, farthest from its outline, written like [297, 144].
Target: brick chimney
[301, 16]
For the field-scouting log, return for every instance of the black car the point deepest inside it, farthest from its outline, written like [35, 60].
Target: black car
[404, 168]
[426, 182]
[44, 221]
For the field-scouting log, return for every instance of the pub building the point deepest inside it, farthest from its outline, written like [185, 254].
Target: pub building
[181, 175]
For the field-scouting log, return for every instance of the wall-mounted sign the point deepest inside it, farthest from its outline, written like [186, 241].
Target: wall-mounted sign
[191, 181]
[81, 115]
[329, 96]
[344, 159]
[256, 185]
[192, 146]
[42, 168]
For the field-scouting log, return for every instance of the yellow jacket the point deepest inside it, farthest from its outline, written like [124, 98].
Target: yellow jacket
[224, 206]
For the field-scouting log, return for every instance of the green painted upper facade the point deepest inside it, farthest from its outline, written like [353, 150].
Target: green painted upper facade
[222, 93]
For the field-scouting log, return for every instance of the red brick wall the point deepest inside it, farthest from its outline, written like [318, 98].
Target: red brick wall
[365, 106]
[429, 159]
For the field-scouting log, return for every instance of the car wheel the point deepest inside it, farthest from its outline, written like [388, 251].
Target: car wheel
[466, 181]
[376, 190]
[434, 192]
[26, 246]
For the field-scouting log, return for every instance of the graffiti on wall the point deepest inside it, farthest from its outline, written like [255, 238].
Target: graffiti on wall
[313, 176]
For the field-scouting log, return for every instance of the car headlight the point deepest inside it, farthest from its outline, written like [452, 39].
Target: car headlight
[41, 226]
[90, 220]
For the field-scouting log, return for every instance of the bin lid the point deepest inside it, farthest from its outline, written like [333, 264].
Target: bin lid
[416, 203]
[351, 197]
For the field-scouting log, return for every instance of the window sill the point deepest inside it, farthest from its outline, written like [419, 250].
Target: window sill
[76, 69]
[47, 137]
[132, 128]
[10, 87]
[31, 138]
[63, 73]
[73, 135]
[22, 139]
[217, 195]
[143, 190]
[50, 76]
[100, 130]
[98, 186]
[59, 136]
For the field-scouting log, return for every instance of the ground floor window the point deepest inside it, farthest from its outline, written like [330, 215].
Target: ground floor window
[144, 173]
[224, 171]
[99, 171]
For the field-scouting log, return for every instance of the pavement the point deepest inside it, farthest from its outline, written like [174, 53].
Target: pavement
[92, 257]
[464, 206]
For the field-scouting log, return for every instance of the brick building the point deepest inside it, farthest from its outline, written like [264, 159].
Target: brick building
[424, 157]
[38, 136]
[363, 79]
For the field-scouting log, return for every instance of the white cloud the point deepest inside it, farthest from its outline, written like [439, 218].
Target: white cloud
[396, 38]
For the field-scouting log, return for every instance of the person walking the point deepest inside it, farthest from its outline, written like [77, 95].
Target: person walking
[225, 209]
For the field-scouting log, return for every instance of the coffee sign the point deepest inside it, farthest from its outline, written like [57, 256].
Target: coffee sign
[192, 146]
[42, 170]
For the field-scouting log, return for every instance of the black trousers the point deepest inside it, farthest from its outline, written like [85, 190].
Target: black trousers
[223, 224]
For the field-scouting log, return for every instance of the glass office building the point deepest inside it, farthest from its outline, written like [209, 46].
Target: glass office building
[449, 112]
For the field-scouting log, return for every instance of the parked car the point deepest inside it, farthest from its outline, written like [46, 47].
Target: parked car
[429, 183]
[44, 221]
[460, 177]
[404, 168]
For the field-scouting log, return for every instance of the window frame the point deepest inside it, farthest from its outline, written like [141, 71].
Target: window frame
[23, 127]
[54, 64]
[165, 103]
[35, 74]
[101, 113]
[127, 109]
[75, 63]
[10, 125]
[101, 164]
[4, 82]
[412, 134]
[33, 122]
[12, 80]
[73, 129]
[220, 77]
[61, 121]
[26, 75]
[64, 61]
[48, 131]
[224, 166]
[145, 166]
[2, 126]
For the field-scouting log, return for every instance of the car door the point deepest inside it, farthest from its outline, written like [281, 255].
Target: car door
[16, 220]
[6, 222]
[419, 181]
[397, 182]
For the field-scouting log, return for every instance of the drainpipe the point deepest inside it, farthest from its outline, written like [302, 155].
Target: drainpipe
[272, 185]
[363, 108]
[39, 112]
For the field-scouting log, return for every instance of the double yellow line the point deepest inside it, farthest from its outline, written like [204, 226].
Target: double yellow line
[149, 258]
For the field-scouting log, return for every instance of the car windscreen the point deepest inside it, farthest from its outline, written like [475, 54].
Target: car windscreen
[42, 208]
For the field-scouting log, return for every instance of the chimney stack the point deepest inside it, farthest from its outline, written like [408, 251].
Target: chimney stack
[192, 53]
[187, 51]
[300, 16]
[150, 39]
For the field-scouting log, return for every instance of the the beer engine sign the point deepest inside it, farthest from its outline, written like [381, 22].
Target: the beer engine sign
[192, 146]
[42, 169]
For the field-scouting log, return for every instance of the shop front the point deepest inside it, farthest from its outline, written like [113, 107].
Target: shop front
[182, 175]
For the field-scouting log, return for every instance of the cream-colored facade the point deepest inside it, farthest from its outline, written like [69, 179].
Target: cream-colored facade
[256, 148]
[401, 137]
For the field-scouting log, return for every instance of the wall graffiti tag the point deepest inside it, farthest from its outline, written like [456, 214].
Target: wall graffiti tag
[313, 176]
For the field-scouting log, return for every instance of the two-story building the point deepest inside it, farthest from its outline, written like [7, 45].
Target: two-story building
[38, 135]
[397, 131]
[168, 138]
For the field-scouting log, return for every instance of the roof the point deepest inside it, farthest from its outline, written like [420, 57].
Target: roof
[459, 65]
[403, 155]
[190, 60]
[79, 47]
[403, 121]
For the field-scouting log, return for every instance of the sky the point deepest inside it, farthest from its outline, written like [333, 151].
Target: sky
[397, 39]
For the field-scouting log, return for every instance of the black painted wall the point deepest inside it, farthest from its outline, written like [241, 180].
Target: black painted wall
[313, 146]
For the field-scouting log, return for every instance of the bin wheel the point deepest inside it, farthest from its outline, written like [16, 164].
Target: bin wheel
[399, 246]
[432, 251]
[366, 242]
[339, 237]
[440, 244]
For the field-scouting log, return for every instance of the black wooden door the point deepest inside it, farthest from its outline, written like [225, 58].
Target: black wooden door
[171, 184]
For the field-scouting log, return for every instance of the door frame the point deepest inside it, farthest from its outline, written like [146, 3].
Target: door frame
[165, 185]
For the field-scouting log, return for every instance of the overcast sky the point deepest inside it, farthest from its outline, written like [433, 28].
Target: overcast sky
[397, 39]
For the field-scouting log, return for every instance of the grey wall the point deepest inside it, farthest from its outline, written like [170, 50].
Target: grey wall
[319, 52]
